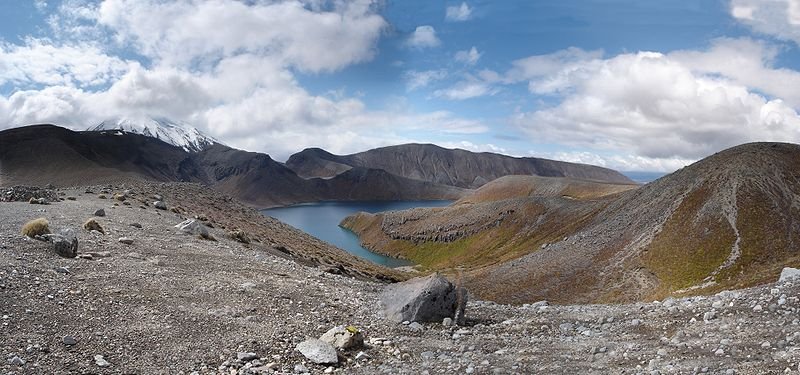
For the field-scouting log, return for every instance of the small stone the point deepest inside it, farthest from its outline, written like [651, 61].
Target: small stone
[361, 355]
[246, 356]
[342, 337]
[329, 370]
[662, 352]
[62, 270]
[447, 322]
[15, 360]
[101, 212]
[766, 345]
[718, 304]
[69, 340]
[719, 352]
[416, 327]
[160, 205]
[136, 225]
[126, 240]
[757, 308]
[300, 368]
[709, 316]
[100, 361]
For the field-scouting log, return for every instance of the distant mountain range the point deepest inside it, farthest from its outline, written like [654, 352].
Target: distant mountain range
[731, 220]
[164, 150]
[439, 165]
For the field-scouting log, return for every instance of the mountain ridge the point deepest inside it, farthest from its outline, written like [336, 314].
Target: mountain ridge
[176, 133]
[455, 167]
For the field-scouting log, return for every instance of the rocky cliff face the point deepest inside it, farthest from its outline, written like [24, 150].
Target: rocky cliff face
[444, 166]
[730, 220]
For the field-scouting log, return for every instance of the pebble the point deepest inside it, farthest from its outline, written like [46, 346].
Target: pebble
[447, 322]
[126, 240]
[416, 327]
[69, 340]
[100, 361]
[15, 360]
[246, 356]
[300, 368]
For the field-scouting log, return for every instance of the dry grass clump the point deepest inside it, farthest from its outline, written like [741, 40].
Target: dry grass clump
[36, 227]
[92, 224]
[239, 235]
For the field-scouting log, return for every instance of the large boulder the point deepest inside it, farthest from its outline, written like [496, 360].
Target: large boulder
[343, 337]
[789, 274]
[423, 299]
[194, 227]
[318, 351]
[64, 243]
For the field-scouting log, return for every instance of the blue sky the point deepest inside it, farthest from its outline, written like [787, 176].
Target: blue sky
[632, 85]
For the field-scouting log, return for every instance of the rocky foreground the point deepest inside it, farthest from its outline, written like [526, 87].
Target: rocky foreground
[166, 302]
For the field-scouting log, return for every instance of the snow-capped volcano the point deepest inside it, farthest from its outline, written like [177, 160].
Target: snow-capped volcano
[177, 133]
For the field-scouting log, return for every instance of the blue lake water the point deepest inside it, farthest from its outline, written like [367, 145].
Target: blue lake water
[644, 177]
[322, 220]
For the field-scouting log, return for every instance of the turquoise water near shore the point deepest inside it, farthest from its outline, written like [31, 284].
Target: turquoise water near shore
[322, 220]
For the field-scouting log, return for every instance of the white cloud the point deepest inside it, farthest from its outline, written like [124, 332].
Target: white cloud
[469, 57]
[467, 89]
[42, 63]
[620, 162]
[40, 5]
[457, 13]
[475, 147]
[657, 106]
[185, 32]
[779, 18]
[419, 79]
[423, 37]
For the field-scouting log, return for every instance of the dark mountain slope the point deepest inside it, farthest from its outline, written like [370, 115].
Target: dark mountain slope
[444, 166]
[44, 154]
[730, 220]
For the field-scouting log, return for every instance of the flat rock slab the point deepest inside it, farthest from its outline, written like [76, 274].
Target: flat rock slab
[318, 351]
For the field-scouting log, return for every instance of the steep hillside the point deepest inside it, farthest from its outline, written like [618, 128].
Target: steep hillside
[730, 220]
[444, 166]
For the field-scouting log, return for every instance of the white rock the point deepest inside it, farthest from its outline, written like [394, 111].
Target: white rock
[318, 351]
[343, 337]
[789, 274]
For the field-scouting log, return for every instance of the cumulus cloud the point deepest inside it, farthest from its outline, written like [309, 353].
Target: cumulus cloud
[656, 106]
[779, 18]
[183, 32]
[39, 62]
[458, 13]
[469, 57]
[423, 37]
[419, 79]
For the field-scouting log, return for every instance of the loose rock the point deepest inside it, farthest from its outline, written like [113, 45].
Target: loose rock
[318, 351]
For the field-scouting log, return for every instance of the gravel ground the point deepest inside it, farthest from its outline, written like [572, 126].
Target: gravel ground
[171, 303]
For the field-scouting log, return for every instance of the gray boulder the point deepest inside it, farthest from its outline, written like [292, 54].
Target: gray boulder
[160, 205]
[318, 351]
[194, 227]
[101, 212]
[424, 299]
[789, 274]
[65, 243]
[343, 337]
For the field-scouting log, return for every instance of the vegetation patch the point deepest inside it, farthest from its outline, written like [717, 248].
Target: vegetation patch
[36, 227]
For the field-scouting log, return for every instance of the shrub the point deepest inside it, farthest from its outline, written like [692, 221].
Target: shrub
[239, 235]
[92, 224]
[36, 227]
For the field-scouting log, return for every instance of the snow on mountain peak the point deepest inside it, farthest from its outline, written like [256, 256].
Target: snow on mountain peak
[176, 133]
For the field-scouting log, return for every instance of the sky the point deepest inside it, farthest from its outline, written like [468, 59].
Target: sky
[627, 84]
